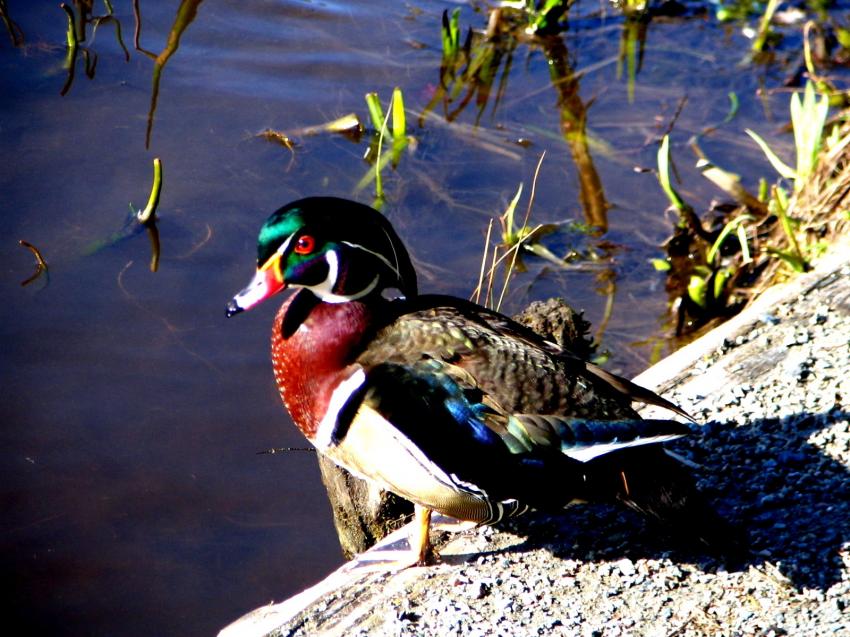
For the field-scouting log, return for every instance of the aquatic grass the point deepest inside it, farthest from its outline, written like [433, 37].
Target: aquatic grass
[738, 226]
[450, 34]
[776, 230]
[147, 215]
[376, 112]
[75, 36]
[385, 125]
[764, 32]
[793, 257]
[470, 71]
[138, 221]
[663, 159]
[397, 129]
[700, 283]
[808, 119]
[399, 118]
[543, 16]
[519, 239]
[478, 73]
[513, 238]
[808, 122]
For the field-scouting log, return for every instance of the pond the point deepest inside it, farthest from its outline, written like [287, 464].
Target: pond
[135, 499]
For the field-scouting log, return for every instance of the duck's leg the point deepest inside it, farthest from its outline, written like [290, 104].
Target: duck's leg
[420, 540]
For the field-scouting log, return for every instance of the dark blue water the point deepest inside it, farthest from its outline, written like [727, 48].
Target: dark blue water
[133, 498]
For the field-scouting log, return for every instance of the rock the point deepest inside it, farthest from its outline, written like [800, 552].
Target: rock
[363, 513]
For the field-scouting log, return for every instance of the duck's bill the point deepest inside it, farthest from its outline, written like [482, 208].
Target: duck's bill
[265, 283]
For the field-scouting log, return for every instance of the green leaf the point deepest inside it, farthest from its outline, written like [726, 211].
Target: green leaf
[509, 236]
[720, 279]
[697, 290]
[146, 215]
[399, 119]
[733, 225]
[664, 174]
[797, 264]
[376, 112]
[808, 119]
[745, 247]
[781, 167]
[661, 265]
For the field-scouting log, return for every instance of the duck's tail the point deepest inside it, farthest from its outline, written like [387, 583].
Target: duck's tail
[659, 486]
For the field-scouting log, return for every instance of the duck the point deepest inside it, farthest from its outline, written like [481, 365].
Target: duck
[455, 407]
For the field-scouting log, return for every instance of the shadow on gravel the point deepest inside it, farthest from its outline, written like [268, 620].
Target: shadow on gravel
[790, 497]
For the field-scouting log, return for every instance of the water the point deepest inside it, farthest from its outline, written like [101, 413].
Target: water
[133, 498]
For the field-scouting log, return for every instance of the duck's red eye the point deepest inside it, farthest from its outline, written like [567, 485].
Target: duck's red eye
[305, 244]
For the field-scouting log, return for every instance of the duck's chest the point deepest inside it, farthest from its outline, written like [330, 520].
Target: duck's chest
[311, 346]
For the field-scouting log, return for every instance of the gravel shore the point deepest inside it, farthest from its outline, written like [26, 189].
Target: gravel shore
[772, 393]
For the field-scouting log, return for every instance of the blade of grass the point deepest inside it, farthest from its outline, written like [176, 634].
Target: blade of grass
[664, 174]
[376, 112]
[476, 295]
[147, 215]
[780, 166]
[734, 225]
[399, 119]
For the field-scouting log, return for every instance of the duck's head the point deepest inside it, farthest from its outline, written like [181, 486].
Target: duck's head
[340, 250]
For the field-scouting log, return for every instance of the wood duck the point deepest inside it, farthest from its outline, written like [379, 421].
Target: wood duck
[446, 403]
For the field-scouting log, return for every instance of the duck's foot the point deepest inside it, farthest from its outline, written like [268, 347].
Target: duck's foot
[420, 540]
[409, 546]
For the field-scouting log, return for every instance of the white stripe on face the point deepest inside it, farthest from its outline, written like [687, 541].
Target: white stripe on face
[377, 255]
[324, 290]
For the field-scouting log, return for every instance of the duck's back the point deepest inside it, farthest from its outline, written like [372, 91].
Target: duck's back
[507, 361]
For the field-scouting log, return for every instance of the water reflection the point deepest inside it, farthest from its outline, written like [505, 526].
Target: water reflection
[471, 70]
[79, 22]
[12, 28]
[185, 15]
[83, 19]
[40, 265]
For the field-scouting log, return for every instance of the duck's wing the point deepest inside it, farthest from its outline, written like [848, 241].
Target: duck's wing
[523, 371]
[635, 392]
[428, 432]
